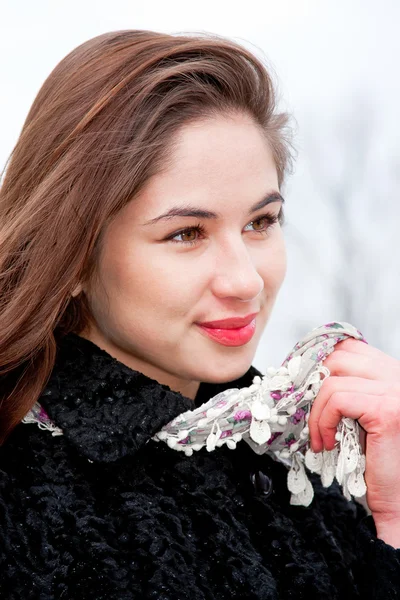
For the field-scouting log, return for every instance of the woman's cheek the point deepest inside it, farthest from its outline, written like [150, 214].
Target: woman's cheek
[273, 264]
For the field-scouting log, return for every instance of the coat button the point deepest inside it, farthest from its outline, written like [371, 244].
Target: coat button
[262, 483]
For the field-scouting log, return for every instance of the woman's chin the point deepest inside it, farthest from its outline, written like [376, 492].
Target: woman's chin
[229, 371]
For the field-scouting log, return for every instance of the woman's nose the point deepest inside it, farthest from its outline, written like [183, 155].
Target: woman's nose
[236, 275]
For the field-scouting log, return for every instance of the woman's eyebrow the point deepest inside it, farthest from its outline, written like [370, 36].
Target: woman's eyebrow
[272, 197]
[190, 211]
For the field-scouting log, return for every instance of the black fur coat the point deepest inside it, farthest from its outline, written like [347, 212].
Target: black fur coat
[104, 512]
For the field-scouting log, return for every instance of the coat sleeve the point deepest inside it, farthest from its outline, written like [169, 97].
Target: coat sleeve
[377, 566]
[374, 564]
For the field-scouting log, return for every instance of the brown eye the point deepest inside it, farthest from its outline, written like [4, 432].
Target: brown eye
[263, 224]
[190, 235]
[259, 224]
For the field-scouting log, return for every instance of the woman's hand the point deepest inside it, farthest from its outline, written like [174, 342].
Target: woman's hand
[365, 385]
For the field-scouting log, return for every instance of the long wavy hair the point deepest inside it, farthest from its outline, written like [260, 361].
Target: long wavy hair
[100, 127]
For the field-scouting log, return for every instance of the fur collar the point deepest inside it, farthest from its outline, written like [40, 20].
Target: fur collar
[108, 411]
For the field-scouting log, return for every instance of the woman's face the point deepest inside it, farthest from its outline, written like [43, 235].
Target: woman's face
[198, 245]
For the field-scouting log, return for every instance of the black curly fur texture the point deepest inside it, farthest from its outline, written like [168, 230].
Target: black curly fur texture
[104, 512]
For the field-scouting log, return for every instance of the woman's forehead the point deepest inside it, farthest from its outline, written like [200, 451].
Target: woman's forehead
[211, 172]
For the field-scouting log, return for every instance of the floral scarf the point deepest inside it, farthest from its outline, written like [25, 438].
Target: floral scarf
[271, 416]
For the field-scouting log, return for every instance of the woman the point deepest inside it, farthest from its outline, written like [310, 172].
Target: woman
[141, 256]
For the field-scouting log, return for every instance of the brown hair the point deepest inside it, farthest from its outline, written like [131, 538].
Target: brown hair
[99, 128]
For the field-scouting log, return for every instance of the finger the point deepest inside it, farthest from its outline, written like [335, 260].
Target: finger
[344, 404]
[358, 347]
[332, 385]
[346, 364]
[355, 346]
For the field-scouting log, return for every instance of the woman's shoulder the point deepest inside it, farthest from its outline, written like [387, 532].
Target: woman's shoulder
[30, 456]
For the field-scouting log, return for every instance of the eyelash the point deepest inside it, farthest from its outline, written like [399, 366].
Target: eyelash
[200, 229]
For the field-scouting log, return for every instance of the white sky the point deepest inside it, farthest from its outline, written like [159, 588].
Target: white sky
[328, 54]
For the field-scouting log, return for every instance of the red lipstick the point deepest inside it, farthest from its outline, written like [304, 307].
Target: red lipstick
[235, 331]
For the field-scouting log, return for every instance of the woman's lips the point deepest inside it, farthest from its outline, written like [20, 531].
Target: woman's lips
[228, 335]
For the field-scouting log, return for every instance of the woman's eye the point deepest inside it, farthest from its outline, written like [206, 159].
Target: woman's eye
[187, 236]
[190, 235]
[262, 224]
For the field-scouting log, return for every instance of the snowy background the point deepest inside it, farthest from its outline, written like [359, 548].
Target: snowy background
[338, 73]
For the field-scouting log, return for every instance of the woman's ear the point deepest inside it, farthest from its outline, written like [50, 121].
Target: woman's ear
[77, 290]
